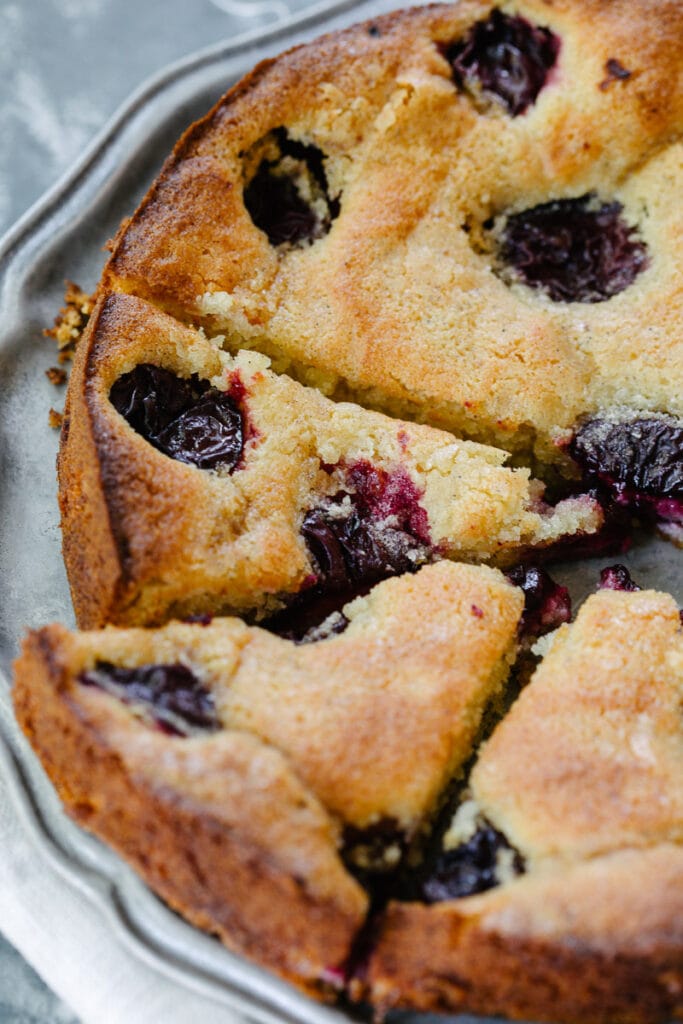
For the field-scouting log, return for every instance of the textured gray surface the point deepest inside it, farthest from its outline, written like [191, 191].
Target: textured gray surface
[65, 65]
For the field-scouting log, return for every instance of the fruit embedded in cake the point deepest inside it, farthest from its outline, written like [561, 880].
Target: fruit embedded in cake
[478, 863]
[322, 494]
[638, 463]
[563, 826]
[574, 250]
[187, 420]
[547, 604]
[288, 197]
[414, 670]
[378, 529]
[171, 695]
[506, 58]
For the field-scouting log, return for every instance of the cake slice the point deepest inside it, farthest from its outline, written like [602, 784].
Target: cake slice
[558, 891]
[192, 481]
[234, 769]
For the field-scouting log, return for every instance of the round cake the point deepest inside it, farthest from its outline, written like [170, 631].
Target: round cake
[400, 320]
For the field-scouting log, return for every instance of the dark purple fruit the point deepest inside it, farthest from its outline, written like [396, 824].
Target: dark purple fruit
[546, 604]
[638, 463]
[275, 202]
[575, 250]
[171, 694]
[617, 577]
[469, 868]
[185, 419]
[355, 538]
[379, 529]
[504, 57]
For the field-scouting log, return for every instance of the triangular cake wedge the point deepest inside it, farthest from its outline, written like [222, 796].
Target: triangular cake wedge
[577, 801]
[389, 211]
[233, 768]
[281, 492]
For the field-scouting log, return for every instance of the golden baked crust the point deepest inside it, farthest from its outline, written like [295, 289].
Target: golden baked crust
[398, 303]
[147, 537]
[227, 827]
[583, 777]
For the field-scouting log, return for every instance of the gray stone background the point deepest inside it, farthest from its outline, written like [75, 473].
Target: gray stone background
[65, 65]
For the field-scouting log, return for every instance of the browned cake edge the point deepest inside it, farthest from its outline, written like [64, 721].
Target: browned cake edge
[209, 867]
[600, 942]
[94, 555]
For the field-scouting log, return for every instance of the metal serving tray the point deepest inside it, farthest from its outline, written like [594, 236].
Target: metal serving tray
[62, 236]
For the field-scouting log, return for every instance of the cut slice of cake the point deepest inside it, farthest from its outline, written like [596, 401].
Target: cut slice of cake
[234, 769]
[192, 481]
[558, 890]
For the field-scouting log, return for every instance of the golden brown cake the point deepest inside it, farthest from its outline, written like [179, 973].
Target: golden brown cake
[461, 214]
[573, 821]
[469, 217]
[213, 750]
[167, 509]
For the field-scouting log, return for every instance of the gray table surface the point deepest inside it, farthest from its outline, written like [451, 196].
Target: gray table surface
[65, 65]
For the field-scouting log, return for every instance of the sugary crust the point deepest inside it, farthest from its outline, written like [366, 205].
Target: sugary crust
[602, 715]
[598, 943]
[147, 537]
[420, 169]
[414, 671]
[221, 828]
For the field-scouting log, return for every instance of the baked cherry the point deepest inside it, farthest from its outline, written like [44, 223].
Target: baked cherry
[546, 604]
[575, 250]
[171, 694]
[183, 418]
[376, 529]
[470, 868]
[638, 463]
[504, 57]
[278, 202]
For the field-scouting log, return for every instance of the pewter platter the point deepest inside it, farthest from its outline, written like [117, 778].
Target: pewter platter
[62, 237]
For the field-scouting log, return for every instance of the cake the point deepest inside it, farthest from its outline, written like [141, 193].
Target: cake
[244, 496]
[200, 750]
[459, 214]
[399, 318]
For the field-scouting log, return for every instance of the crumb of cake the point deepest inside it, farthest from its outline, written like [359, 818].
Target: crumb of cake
[71, 320]
[56, 375]
[55, 419]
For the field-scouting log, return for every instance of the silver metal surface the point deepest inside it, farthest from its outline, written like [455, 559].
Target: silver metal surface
[62, 236]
